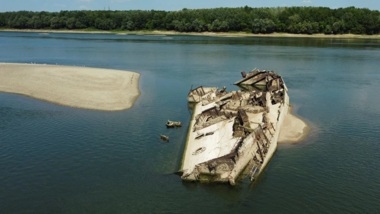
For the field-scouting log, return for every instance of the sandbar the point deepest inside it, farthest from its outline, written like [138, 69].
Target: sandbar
[293, 129]
[212, 34]
[80, 87]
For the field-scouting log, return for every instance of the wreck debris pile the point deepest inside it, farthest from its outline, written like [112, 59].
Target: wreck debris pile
[232, 130]
[173, 124]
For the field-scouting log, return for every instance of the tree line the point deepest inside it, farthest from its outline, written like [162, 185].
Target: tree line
[297, 20]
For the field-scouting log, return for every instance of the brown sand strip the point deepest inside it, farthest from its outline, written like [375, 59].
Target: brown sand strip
[293, 129]
[81, 87]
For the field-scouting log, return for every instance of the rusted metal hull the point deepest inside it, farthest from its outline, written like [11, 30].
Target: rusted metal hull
[231, 131]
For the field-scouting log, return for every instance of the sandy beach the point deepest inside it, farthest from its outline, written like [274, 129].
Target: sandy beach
[212, 34]
[80, 87]
[293, 129]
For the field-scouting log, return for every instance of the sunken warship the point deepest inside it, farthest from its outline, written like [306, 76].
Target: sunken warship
[234, 133]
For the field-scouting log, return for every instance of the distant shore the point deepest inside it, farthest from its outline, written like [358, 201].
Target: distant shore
[81, 87]
[216, 34]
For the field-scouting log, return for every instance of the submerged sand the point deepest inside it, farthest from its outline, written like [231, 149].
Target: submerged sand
[81, 87]
[293, 129]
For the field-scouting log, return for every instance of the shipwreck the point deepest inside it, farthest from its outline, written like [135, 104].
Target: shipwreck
[234, 132]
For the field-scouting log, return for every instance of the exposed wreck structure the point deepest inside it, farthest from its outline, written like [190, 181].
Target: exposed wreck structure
[230, 131]
[173, 124]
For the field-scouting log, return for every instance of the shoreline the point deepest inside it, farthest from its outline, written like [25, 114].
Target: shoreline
[79, 87]
[211, 34]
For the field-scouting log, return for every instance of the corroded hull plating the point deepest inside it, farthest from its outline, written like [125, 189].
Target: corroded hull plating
[232, 130]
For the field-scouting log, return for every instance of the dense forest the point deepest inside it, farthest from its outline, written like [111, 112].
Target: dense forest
[298, 20]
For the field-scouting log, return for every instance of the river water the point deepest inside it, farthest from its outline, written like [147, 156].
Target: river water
[56, 159]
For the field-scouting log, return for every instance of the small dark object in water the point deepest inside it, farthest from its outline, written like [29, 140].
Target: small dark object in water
[171, 124]
[164, 138]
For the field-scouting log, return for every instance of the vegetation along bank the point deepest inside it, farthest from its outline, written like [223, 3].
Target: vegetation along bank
[294, 20]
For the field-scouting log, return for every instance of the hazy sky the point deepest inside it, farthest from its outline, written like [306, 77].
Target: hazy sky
[57, 5]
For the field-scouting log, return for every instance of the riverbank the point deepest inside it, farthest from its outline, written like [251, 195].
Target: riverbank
[216, 34]
[80, 87]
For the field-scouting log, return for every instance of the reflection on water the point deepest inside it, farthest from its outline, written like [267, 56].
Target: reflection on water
[55, 159]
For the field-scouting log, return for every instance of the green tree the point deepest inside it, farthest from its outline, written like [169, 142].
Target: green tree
[56, 23]
[263, 26]
[308, 20]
